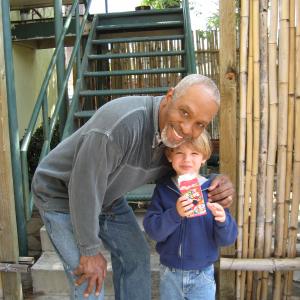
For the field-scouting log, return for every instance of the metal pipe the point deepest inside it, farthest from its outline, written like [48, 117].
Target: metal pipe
[78, 58]
[13, 128]
[106, 7]
[60, 63]
[189, 43]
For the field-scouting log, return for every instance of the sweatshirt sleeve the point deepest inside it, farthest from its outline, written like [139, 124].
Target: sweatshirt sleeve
[225, 233]
[93, 161]
[160, 223]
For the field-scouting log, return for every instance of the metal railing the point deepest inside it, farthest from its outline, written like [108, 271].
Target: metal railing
[41, 104]
[188, 42]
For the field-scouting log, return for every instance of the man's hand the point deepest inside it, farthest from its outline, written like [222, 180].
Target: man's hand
[221, 190]
[93, 269]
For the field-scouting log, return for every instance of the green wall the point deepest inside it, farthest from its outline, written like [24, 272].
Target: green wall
[30, 66]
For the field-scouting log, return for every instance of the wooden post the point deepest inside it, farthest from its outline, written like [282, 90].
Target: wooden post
[11, 282]
[228, 121]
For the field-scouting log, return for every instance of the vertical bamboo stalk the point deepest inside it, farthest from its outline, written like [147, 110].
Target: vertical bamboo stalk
[255, 153]
[249, 141]
[244, 28]
[263, 140]
[282, 136]
[292, 234]
[272, 146]
[290, 127]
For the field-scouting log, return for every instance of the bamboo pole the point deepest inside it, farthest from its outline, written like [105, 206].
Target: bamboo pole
[260, 264]
[272, 146]
[290, 143]
[255, 153]
[249, 141]
[292, 233]
[263, 141]
[244, 28]
[282, 136]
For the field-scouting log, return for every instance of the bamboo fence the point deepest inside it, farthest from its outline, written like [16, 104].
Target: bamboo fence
[269, 147]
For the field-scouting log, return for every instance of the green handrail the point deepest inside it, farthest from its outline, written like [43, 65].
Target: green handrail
[41, 103]
[13, 128]
[189, 43]
[68, 130]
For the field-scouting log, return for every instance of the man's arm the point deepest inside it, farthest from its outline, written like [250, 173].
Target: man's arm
[91, 167]
[221, 190]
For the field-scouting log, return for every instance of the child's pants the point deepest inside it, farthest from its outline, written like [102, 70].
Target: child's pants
[178, 284]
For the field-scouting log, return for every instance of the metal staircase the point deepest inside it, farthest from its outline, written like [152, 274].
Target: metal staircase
[127, 54]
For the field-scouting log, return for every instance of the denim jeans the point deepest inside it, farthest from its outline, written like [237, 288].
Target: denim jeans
[178, 284]
[122, 236]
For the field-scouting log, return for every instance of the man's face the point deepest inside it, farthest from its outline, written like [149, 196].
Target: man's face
[185, 118]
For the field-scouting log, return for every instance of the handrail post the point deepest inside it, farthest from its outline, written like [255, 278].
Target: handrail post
[60, 64]
[78, 57]
[189, 43]
[13, 128]
[106, 7]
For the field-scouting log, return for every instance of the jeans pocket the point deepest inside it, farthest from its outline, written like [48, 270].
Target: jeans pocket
[163, 270]
[208, 274]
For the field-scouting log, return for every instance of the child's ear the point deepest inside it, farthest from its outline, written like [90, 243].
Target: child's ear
[203, 162]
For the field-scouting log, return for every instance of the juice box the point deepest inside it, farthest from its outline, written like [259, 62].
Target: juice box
[189, 185]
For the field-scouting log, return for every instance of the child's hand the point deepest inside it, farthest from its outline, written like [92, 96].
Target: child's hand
[184, 206]
[217, 210]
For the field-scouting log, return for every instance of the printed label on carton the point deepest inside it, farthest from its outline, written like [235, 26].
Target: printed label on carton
[189, 186]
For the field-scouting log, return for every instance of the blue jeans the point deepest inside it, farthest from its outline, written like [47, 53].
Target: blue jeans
[178, 284]
[122, 236]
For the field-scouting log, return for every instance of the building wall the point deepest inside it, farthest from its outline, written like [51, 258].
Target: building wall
[30, 66]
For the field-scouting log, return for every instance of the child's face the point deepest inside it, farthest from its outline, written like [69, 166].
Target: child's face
[185, 159]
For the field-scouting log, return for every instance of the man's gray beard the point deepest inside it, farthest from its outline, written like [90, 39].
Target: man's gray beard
[165, 140]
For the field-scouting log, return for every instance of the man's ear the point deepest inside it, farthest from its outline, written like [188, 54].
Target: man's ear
[169, 95]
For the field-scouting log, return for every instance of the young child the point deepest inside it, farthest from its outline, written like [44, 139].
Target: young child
[188, 246]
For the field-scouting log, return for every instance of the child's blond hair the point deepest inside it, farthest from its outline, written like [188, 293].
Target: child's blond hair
[203, 144]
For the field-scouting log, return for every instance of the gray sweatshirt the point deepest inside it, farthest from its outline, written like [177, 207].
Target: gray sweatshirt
[114, 152]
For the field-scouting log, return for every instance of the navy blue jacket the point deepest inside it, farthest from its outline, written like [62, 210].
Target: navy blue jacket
[185, 243]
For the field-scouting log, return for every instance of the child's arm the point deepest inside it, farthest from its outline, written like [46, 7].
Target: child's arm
[225, 228]
[160, 223]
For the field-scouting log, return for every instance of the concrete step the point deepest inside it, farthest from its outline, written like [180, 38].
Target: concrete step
[49, 279]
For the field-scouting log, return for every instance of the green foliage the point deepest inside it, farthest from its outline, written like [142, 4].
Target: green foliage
[213, 22]
[35, 148]
[160, 4]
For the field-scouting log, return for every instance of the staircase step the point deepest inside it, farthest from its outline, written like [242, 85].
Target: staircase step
[49, 278]
[48, 275]
[134, 72]
[139, 39]
[151, 13]
[142, 25]
[137, 91]
[135, 54]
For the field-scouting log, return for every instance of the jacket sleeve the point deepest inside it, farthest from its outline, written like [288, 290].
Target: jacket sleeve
[158, 222]
[94, 160]
[225, 233]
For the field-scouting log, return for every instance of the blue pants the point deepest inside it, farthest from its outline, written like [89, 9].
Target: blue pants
[178, 284]
[122, 236]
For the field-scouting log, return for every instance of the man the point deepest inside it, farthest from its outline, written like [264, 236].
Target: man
[79, 186]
